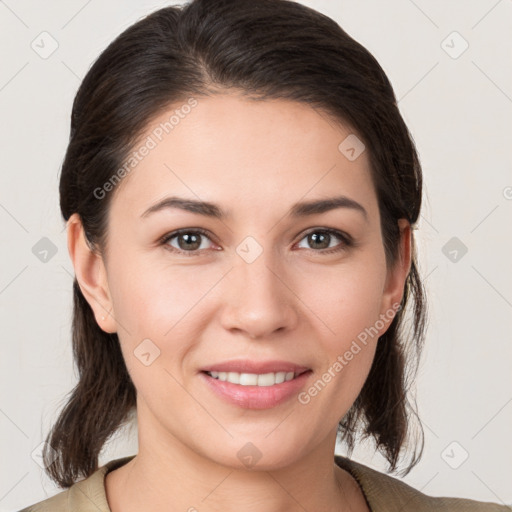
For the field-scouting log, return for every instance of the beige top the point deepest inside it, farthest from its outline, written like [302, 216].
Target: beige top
[383, 493]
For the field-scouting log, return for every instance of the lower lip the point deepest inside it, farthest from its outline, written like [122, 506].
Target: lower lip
[256, 397]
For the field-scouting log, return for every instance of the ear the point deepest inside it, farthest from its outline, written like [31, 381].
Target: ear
[91, 274]
[397, 275]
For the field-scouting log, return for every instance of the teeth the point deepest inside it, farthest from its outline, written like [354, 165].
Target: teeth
[253, 379]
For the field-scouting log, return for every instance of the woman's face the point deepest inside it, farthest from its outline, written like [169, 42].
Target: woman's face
[263, 283]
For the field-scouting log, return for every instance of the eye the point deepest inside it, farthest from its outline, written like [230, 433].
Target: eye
[321, 239]
[188, 240]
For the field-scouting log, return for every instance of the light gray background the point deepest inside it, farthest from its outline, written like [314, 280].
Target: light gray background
[459, 112]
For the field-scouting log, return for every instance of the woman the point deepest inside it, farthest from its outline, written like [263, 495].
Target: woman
[240, 192]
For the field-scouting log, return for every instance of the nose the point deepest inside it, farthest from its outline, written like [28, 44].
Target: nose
[257, 299]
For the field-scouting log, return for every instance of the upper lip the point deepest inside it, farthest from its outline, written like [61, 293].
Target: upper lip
[250, 366]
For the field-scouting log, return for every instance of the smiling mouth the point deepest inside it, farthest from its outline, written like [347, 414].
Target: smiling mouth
[255, 379]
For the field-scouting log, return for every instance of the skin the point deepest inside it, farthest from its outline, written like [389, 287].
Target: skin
[293, 303]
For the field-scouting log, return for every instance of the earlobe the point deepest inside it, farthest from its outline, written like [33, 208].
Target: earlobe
[397, 276]
[91, 274]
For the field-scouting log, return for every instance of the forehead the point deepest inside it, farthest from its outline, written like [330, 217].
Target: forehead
[246, 154]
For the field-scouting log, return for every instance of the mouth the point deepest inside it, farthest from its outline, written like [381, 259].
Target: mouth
[255, 390]
[255, 379]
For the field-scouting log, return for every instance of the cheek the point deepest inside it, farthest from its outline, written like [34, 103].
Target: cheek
[346, 303]
[345, 299]
[346, 348]
[162, 304]
[151, 298]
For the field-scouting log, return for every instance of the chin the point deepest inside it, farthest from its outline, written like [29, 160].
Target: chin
[256, 455]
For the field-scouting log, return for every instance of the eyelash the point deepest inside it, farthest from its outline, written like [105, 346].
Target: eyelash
[346, 240]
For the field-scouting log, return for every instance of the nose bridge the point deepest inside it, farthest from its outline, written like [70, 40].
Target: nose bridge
[258, 302]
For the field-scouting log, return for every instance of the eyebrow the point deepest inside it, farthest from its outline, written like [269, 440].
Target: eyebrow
[301, 209]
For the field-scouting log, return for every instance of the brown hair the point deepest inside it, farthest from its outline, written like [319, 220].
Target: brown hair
[267, 49]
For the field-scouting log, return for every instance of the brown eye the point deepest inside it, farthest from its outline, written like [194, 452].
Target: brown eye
[188, 242]
[321, 239]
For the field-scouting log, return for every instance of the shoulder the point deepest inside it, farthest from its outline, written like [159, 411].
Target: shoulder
[383, 491]
[85, 495]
